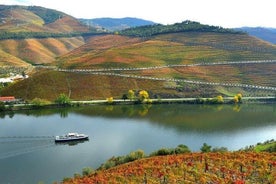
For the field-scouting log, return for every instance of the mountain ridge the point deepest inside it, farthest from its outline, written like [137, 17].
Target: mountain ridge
[116, 24]
[264, 33]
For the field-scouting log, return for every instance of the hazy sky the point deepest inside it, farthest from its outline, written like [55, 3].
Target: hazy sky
[226, 13]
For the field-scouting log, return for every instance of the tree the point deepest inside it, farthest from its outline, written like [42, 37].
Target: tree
[143, 95]
[239, 95]
[131, 94]
[2, 106]
[237, 98]
[205, 148]
[219, 99]
[124, 97]
[63, 100]
[109, 100]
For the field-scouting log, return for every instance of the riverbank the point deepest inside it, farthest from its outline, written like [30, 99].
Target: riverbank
[226, 100]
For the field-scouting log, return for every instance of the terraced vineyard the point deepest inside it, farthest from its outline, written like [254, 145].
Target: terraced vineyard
[236, 167]
[167, 49]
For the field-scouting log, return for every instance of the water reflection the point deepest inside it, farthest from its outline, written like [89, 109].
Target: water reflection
[71, 143]
[180, 117]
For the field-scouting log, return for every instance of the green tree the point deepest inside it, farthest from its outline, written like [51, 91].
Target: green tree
[124, 97]
[2, 106]
[205, 148]
[182, 149]
[87, 171]
[63, 100]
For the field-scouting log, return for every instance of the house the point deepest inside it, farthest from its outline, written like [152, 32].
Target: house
[6, 99]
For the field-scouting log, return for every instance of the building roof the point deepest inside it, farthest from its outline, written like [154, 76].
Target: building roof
[7, 98]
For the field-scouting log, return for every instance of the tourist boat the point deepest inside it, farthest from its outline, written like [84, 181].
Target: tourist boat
[71, 137]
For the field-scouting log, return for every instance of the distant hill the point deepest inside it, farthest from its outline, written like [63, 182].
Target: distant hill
[267, 34]
[185, 26]
[37, 19]
[116, 24]
[37, 35]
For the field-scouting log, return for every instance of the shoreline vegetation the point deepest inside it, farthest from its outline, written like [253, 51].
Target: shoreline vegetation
[252, 164]
[64, 101]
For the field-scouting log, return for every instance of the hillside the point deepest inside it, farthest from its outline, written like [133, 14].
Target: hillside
[7, 59]
[38, 51]
[167, 49]
[37, 19]
[158, 45]
[116, 24]
[267, 34]
[37, 35]
[187, 51]
[236, 167]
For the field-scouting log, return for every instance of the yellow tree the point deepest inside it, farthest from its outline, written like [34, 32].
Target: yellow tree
[131, 94]
[239, 95]
[237, 98]
[219, 99]
[143, 95]
[109, 100]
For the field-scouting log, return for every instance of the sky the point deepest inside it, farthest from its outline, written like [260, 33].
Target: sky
[225, 13]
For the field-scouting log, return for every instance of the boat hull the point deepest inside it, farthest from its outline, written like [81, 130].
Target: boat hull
[71, 139]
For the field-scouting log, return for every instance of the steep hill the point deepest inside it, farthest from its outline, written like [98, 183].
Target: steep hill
[10, 60]
[39, 51]
[37, 19]
[267, 34]
[37, 35]
[115, 24]
[163, 52]
[167, 49]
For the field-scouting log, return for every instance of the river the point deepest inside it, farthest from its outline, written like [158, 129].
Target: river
[28, 153]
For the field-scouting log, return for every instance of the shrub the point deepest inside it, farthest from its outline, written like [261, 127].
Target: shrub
[114, 161]
[87, 171]
[2, 106]
[205, 148]
[220, 149]
[39, 102]
[182, 149]
[63, 100]
[135, 155]
[163, 151]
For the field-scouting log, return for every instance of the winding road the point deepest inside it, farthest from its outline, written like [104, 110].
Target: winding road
[109, 72]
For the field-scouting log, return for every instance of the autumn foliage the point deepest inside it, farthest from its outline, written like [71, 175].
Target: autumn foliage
[227, 167]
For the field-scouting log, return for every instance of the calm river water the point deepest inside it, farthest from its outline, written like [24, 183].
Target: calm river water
[28, 153]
